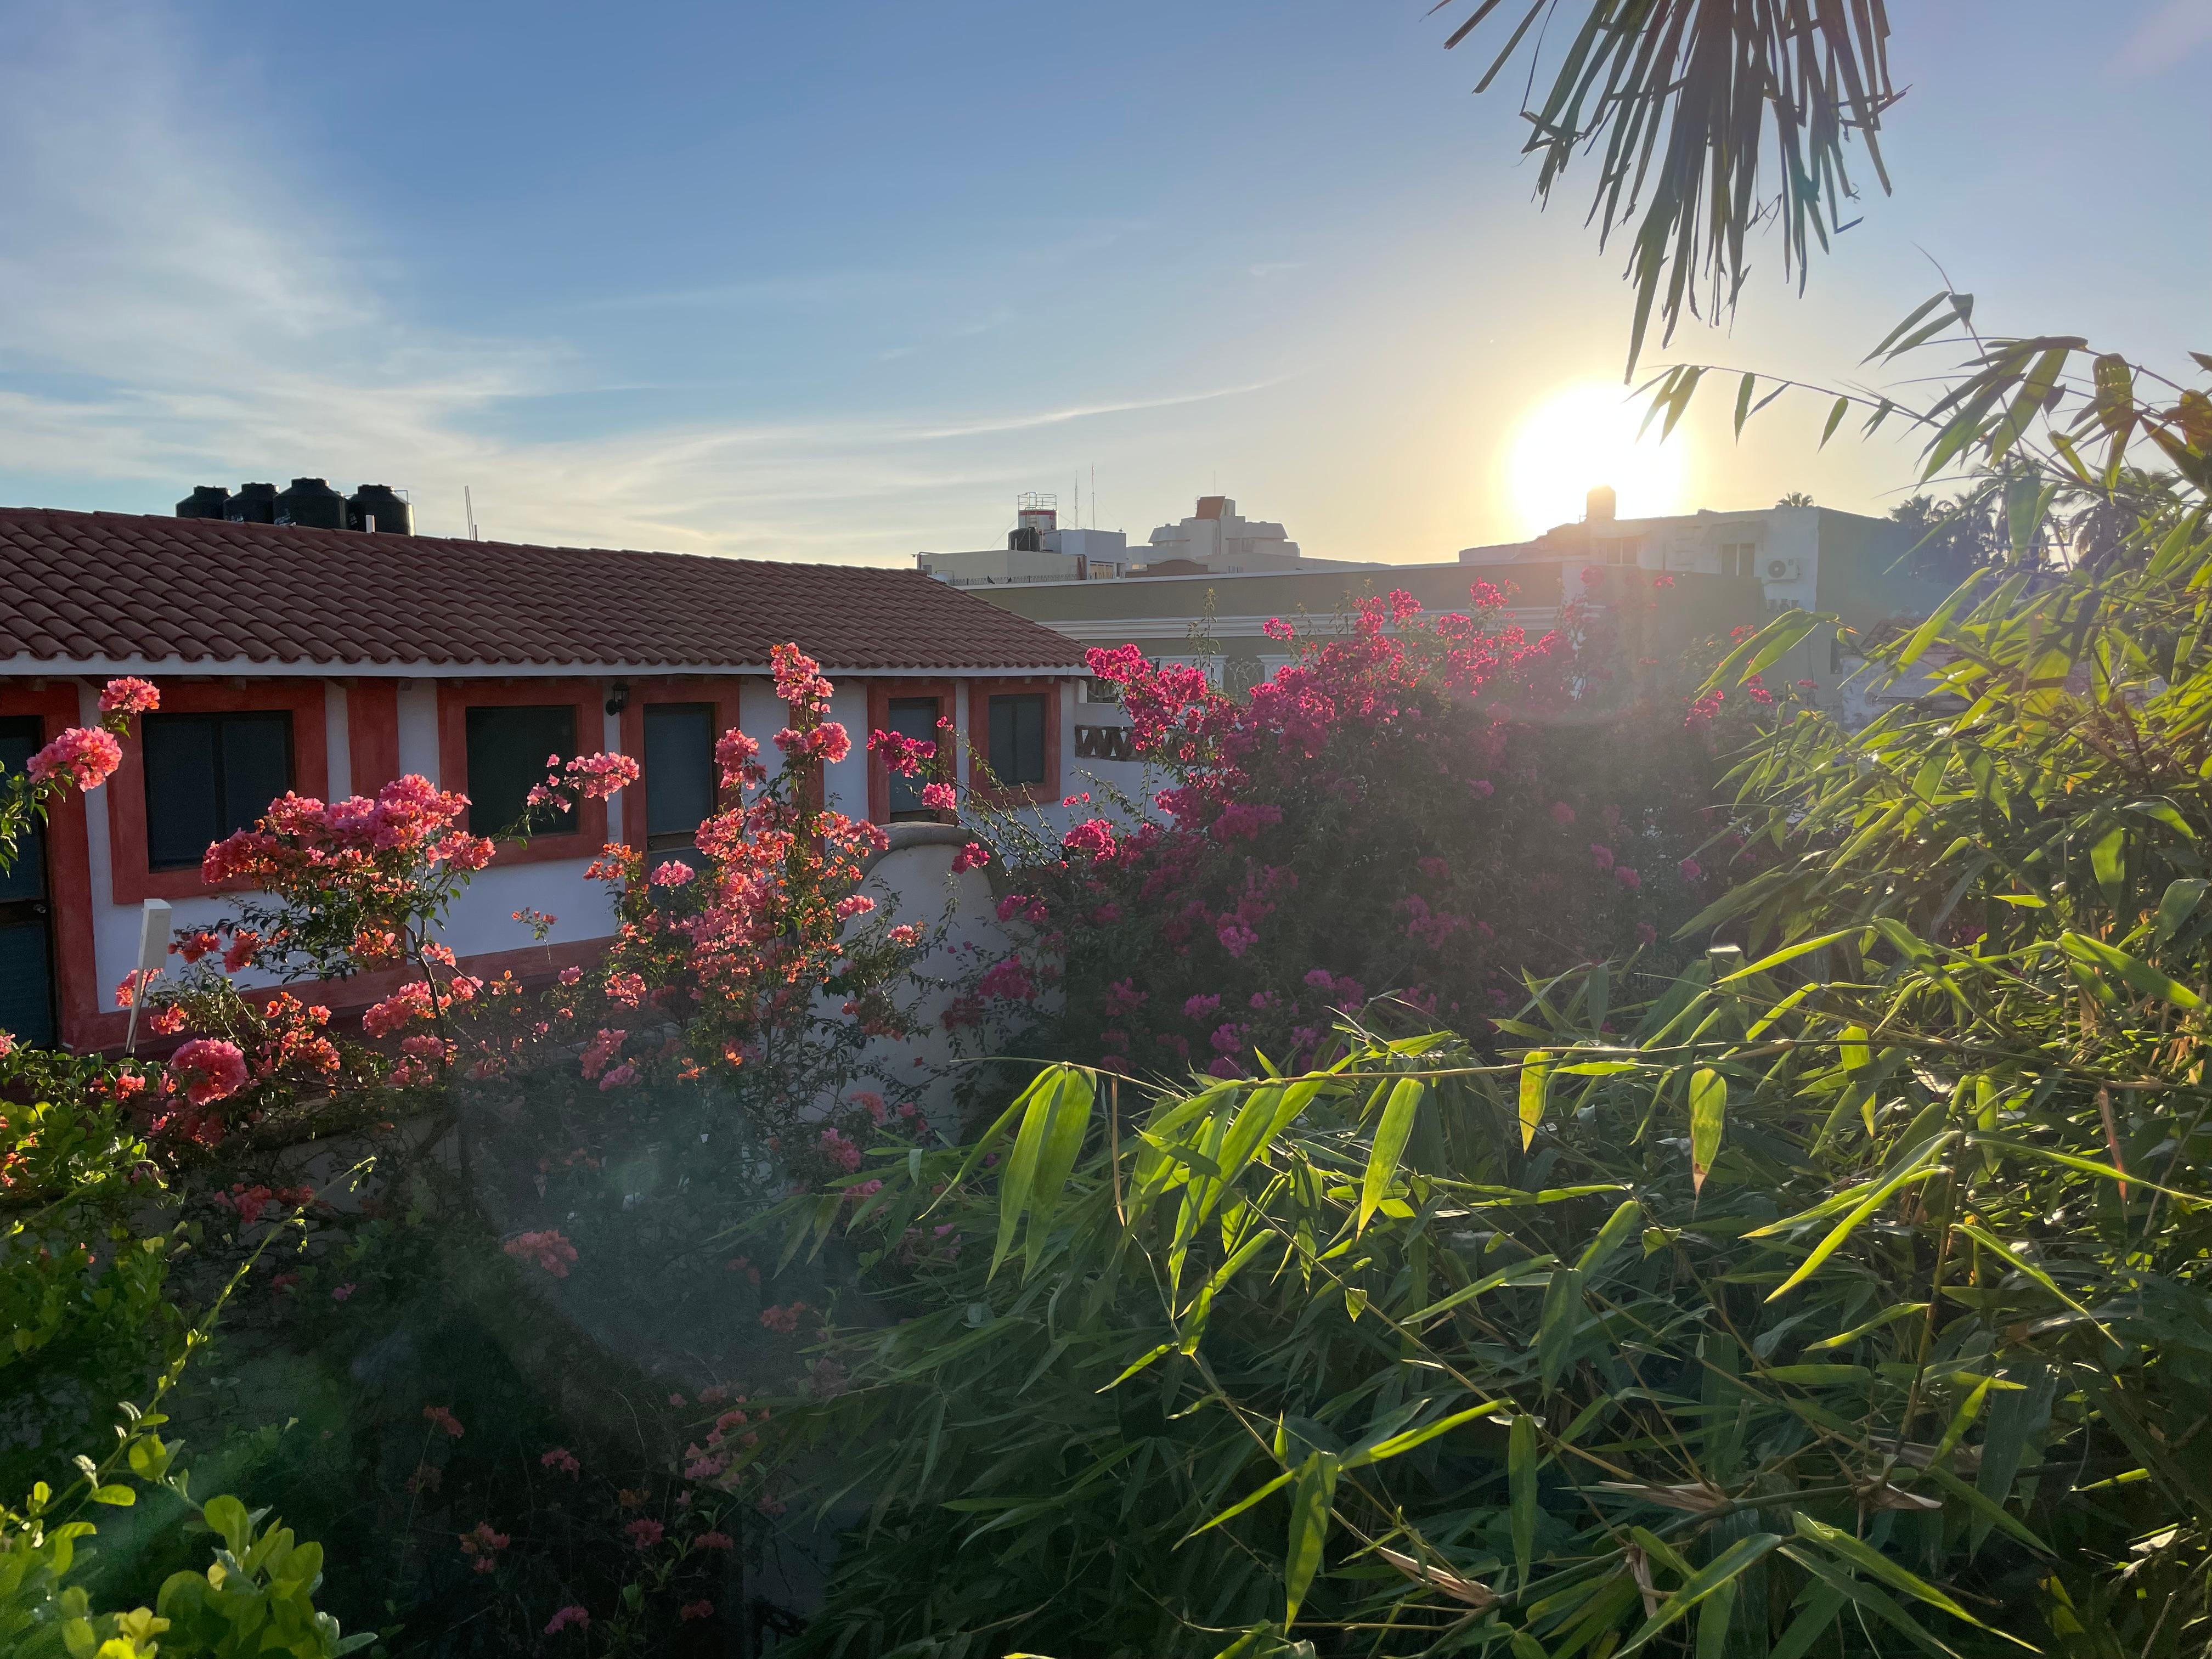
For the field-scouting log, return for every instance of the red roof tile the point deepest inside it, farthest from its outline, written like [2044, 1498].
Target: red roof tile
[87, 585]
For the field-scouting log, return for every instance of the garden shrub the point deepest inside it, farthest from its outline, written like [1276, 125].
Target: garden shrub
[1420, 805]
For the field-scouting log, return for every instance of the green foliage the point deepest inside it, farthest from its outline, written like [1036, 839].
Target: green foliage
[1543, 1394]
[1686, 96]
[1844, 1301]
[84, 1260]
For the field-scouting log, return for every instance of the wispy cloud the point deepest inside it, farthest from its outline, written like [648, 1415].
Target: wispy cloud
[153, 327]
[2171, 33]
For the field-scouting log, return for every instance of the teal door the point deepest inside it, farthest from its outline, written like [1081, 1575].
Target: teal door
[27, 954]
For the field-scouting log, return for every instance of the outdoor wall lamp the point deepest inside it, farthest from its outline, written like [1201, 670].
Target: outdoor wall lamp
[617, 696]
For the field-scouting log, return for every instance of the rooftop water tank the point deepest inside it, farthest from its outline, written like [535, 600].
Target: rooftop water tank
[392, 514]
[255, 503]
[310, 503]
[206, 501]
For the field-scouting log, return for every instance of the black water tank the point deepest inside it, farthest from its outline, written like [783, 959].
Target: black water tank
[1025, 538]
[393, 516]
[206, 501]
[255, 503]
[312, 504]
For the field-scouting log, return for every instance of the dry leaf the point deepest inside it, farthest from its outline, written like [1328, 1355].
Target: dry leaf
[1460, 1590]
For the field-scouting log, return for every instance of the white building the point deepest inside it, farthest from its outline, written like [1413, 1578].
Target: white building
[332, 662]
[1038, 550]
[1813, 558]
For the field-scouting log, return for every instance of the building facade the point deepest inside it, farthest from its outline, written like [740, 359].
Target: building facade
[330, 662]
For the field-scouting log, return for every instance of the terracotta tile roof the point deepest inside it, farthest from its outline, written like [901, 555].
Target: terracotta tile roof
[114, 586]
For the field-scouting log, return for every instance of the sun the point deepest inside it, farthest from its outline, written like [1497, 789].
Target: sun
[1584, 436]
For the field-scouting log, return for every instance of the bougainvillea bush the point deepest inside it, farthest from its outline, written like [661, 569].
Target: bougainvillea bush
[1422, 806]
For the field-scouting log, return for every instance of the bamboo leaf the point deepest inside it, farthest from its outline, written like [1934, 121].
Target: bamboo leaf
[1309, 1501]
[2182, 897]
[1714, 1618]
[1521, 1482]
[1389, 1145]
[1781, 636]
[2110, 959]
[1556, 1325]
[1871, 1560]
[1065, 1129]
[1020, 1173]
[1725, 1568]
[1708, 1112]
[1791, 952]
[1398, 1443]
[1535, 1071]
[1242, 1503]
[1850, 1224]
[1610, 1237]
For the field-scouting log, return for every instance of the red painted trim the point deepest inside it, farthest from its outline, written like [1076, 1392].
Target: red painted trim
[880, 693]
[457, 697]
[980, 693]
[69, 867]
[372, 734]
[533, 964]
[721, 691]
[305, 699]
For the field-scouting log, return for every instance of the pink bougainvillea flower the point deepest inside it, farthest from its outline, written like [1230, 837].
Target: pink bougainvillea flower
[568, 1616]
[645, 1532]
[128, 696]
[548, 1249]
[1692, 870]
[598, 776]
[83, 757]
[1602, 855]
[674, 874]
[939, 797]
[562, 1460]
[1626, 877]
[974, 856]
[1094, 836]
[208, 1069]
[782, 1321]
[441, 1417]
[1562, 814]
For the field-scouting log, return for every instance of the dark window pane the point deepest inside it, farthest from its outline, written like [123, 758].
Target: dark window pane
[184, 795]
[257, 765]
[1017, 738]
[208, 774]
[679, 771]
[26, 998]
[507, 751]
[26, 879]
[915, 718]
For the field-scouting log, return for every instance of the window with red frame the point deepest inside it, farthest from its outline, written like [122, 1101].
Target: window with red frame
[1018, 745]
[511, 746]
[679, 772]
[915, 718]
[207, 776]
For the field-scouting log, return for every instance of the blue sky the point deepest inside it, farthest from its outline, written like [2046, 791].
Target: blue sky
[836, 281]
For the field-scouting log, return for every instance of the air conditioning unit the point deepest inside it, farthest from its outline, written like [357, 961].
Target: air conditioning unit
[1784, 570]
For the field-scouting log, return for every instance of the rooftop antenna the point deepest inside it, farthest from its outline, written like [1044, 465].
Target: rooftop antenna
[469, 507]
[1094, 494]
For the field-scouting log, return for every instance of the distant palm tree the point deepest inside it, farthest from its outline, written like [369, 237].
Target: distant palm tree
[1795, 498]
[1685, 93]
